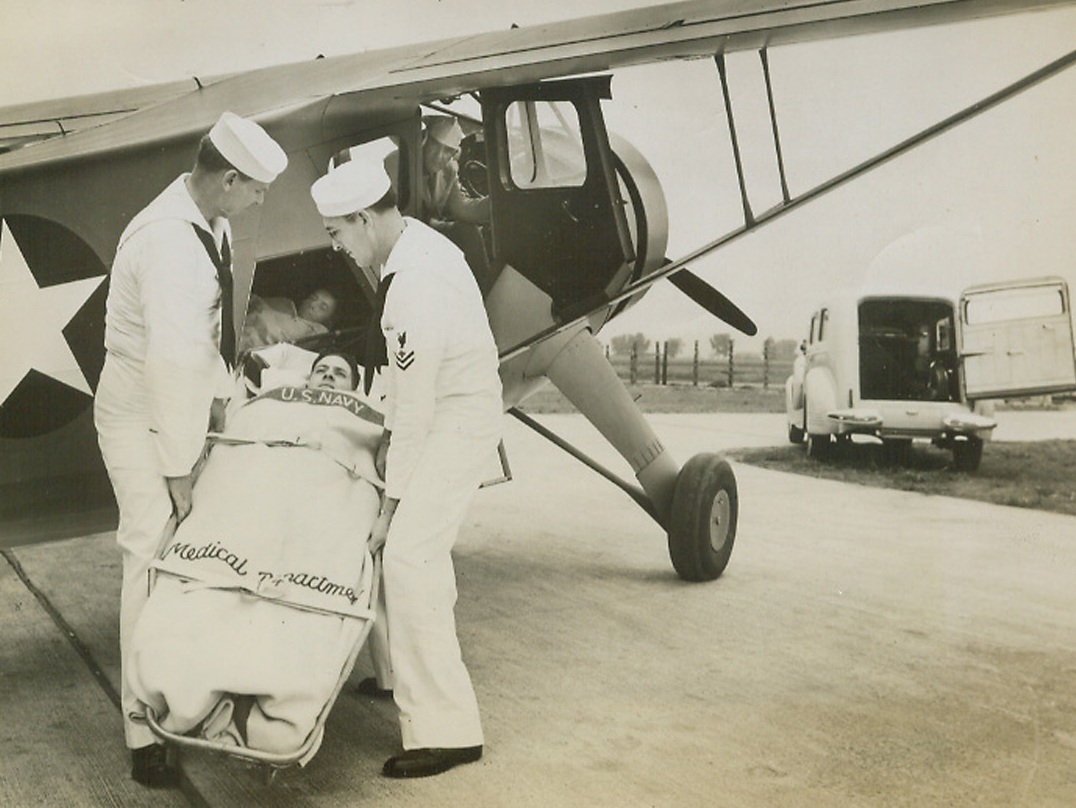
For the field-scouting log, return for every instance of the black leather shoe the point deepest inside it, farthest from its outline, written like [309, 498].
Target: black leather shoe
[150, 767]
[369, 687]
[429, 761]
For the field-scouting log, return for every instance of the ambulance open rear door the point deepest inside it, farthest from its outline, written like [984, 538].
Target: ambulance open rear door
[1016, 339]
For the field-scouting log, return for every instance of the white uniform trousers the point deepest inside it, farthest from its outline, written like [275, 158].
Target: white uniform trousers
[144, 511]
[431, 686]
[145, 507]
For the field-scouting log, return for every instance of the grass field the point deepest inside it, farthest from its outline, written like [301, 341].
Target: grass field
[679, 398]
[1028, 475]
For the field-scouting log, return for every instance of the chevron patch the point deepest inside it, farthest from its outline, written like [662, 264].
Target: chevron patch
[404, 357]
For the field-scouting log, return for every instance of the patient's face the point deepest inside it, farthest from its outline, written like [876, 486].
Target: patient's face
[331, 373]
[318, 307]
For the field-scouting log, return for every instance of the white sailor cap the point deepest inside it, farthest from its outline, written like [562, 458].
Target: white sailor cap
[445, 129]
[372, 150]
[248, 147]
[350, 187]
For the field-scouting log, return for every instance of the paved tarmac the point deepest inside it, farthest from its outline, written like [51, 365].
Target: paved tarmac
[865, 647]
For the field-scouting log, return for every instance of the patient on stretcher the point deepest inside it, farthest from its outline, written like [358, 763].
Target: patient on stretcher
[263, 592]
[274, 320]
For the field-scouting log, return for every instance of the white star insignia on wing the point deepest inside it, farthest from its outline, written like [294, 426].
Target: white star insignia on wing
[32, 320]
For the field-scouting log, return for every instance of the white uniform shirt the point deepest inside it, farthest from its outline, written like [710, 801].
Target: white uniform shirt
[163, 325]
[442, 361]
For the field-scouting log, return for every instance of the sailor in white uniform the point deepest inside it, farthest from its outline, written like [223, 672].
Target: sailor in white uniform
[169, 341]
[443, 414]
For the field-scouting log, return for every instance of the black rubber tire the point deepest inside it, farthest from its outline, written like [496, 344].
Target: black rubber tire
[819, 447]
[795, 434]
[967, 454]
[704, 512]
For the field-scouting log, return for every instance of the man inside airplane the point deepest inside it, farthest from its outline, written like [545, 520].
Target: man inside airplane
[263, 593]
[272, 320]
[169, 342]
[442, 203]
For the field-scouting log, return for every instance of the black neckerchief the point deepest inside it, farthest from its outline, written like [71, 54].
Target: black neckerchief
[377, 355]
[223, 262]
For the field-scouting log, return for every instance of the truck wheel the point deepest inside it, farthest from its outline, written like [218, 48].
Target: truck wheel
[967, 454]
[795, 434]
[702, 528]
[818, 446]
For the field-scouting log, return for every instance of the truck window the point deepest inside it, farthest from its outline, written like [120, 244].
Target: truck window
[1014, 304]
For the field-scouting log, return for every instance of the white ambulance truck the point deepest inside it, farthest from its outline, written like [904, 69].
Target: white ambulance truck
[901, 365]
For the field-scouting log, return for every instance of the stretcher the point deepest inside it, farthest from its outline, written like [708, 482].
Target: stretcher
[258, 574]
[272, 762]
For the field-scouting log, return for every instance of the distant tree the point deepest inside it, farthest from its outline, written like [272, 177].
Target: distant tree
[673, 346]
[784, 349]
[720, 344]
[623, 343]
[768, 348]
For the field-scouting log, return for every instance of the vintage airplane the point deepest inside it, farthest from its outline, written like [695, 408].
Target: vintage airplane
[578, 231]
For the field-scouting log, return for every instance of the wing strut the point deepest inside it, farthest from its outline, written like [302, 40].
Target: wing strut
[748, 216]
[762, 54]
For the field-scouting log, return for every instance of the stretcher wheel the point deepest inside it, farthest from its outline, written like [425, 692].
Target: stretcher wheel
[702, 527]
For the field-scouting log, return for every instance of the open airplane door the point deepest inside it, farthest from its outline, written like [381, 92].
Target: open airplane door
[1016, 339]
[558, 218]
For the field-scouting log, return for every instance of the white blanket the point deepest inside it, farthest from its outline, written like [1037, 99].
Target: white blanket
[266, 585]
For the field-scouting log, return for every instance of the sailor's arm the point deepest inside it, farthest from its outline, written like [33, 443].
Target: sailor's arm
[416, 345]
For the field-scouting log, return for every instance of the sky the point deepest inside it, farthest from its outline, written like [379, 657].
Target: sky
[1005, 182]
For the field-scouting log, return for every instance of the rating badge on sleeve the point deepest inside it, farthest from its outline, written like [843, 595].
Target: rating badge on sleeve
[404, 357]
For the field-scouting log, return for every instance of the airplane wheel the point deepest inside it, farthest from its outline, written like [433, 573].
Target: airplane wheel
[702, 528]
[967, 454]
[795, 434]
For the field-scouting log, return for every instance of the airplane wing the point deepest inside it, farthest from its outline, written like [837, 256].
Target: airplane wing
[419, 73]
[23, 123]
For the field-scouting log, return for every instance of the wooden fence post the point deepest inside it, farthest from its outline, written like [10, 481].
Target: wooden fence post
[657, 362]
[695, 366]
[633, 366]
[732, 368]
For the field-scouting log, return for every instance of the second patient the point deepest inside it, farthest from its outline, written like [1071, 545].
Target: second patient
[273, 320]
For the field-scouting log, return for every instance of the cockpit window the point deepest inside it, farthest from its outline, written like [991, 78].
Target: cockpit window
[545, 145]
